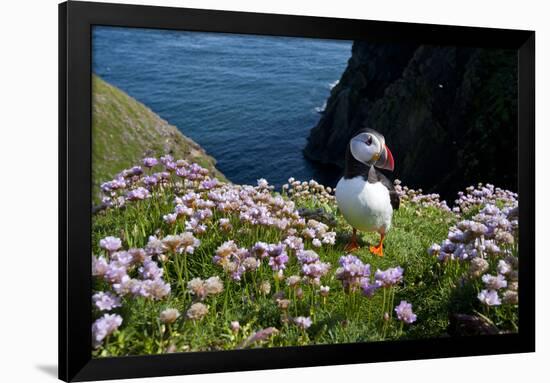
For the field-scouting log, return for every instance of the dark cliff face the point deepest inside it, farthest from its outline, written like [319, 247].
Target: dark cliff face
[449, 114]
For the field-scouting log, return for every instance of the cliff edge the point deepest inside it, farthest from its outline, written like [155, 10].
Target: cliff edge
[449, 114]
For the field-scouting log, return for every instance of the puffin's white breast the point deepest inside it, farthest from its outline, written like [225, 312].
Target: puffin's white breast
[366, 206]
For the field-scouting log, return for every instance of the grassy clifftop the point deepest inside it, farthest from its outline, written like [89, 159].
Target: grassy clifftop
[124, 131]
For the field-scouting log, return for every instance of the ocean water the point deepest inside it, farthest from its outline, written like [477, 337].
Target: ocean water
[249, 100]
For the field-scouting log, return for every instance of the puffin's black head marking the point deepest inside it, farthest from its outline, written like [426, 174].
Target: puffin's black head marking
[367, 148]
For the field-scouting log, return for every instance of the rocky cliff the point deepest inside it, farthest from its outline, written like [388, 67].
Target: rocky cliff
[449, 114]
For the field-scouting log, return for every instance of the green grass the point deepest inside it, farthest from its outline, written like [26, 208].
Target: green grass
[429, 285]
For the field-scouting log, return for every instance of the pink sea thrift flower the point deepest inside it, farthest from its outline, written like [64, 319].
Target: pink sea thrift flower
[404, 312]
[106, 301]
[103, 327]
[489, 297]
[303, 322]
[111, 244]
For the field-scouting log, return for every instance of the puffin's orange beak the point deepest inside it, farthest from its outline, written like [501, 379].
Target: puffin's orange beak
[389, 162]
[386, 159]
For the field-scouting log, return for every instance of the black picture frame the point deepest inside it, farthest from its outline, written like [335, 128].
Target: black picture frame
[75, 23]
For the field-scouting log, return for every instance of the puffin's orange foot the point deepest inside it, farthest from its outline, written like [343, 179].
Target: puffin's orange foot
[377, 250]
[352, 246]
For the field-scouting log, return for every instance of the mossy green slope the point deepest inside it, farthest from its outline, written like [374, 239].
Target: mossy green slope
[125, 130]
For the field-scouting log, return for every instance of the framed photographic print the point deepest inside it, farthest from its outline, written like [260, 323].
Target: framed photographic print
[249, 191]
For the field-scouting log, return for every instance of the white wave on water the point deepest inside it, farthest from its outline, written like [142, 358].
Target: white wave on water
[331, 85]
[321, 109]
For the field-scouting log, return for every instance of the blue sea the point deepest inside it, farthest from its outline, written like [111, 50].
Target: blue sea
[249, 100]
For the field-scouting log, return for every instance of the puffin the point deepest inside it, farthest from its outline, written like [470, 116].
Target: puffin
[366, 198]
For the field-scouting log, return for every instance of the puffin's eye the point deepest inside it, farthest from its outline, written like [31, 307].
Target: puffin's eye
[369, 140]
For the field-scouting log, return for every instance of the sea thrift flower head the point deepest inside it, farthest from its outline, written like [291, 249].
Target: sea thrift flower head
[251, 264]
[294, 243]
[111, 244]
[314, 271]
[208, 184]
[99, 266]
[504, 267]
[115, 272]
[494, 282]
[308, 233]
[489, 297]
[150, 270]
[504, 237]
[138, 255]
[262, 183]
[182, 163]
[235, 326]
[106, 301]
[155, 289]
[302, 322]
[151, 180]
[181, 243]
[197, 311]
[103, 327]
[351, 272]
[283, 304]
[226, 249]
[260, 336]
[478, 266]
[149, 162]
[197, 288]
[278, 257]
[134, 171]
[189, 243]
[510, 297]
[404, 312]
[369, 288]
[324, 290]
[389, 277]
[491, 247]
[278, 263]
[172, 242]
[490, 210]
[213, 285]
[123, 258]
[265, 287]
[113, 185]
[328, 238]
[293, 280]
[166, 158]
[307, 256]
[182, 210]
[170, 218]
[138, 194]
[169, 316]
[195, 226]
[225, 225]
[259, 250]
[155, 246]
[128, 286]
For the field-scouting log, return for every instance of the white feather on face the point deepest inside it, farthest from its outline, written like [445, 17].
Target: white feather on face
[366, 147]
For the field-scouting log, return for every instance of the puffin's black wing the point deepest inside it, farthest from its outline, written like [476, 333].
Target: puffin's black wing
[376, 176]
